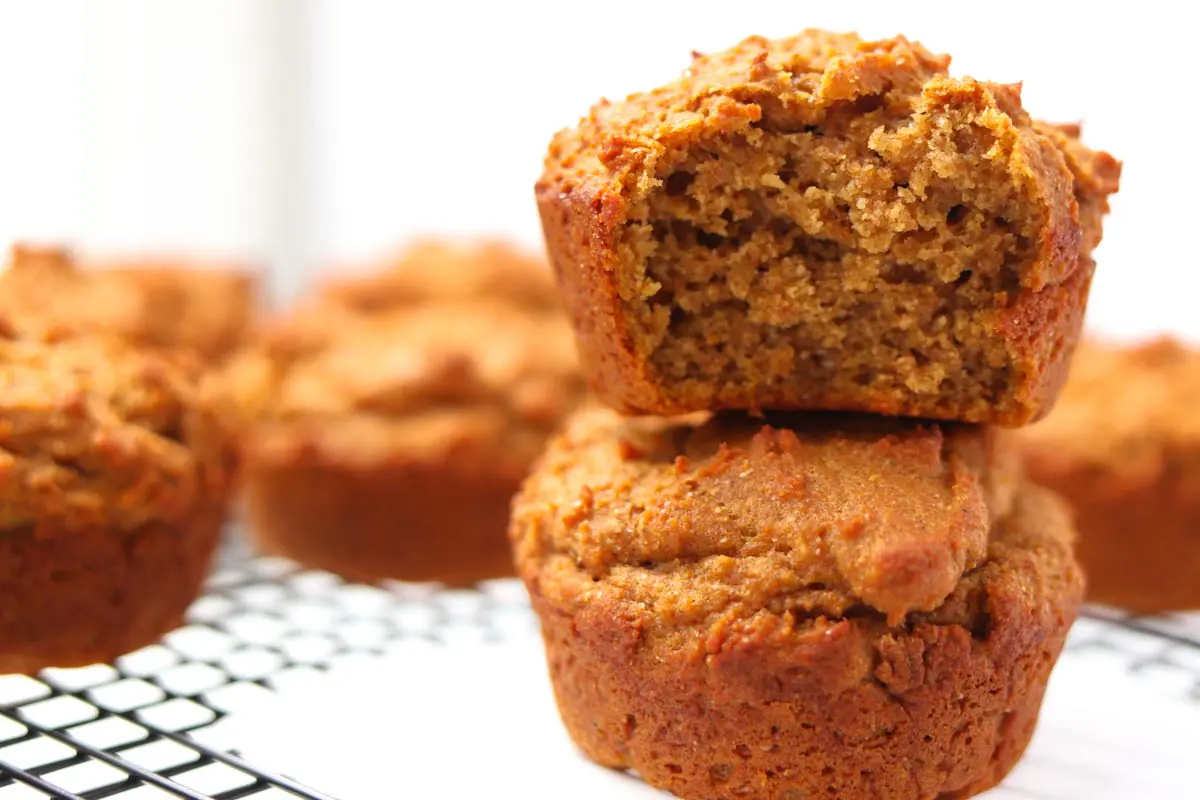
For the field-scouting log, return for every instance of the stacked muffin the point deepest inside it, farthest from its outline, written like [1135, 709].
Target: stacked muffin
[830, 578]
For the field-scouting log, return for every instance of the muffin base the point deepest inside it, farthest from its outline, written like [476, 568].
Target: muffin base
[70, 599]
[1139, 543]
[781, 707]
[744, 725]
[393, 521]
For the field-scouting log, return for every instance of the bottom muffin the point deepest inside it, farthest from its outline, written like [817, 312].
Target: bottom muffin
[112, 490]
[803, 606]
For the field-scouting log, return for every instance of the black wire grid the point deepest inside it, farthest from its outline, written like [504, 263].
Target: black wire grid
[138, 729]
[148, 726]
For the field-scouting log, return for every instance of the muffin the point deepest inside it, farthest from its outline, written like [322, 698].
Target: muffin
[1123, 448]
[443, 270]
[821, 222]
[153, 302]
[806, 605]
[112, 490]
[388, 443]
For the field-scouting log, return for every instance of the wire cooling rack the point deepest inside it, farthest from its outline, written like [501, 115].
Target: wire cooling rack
[148, 725]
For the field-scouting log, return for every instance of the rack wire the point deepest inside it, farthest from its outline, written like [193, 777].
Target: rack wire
[148, 726]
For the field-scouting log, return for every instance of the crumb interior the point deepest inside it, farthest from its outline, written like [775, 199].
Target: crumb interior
[847, 252]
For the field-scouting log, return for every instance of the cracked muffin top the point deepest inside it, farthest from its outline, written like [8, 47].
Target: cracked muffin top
[884, 144]
[446, 358]
[152, 302]
[809, 514]
[97, 434]
[434, 270]
[474, 379]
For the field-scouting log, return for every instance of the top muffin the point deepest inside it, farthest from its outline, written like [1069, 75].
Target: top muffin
[824, 222]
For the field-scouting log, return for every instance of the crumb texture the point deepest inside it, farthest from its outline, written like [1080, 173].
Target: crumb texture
[97, 435]
[810, 606]
[823, 222]
[113, 484]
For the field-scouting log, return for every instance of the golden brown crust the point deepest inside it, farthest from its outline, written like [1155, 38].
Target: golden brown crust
[95, 434]
[439, 270]
[1128, 409]
[45, 283]
[415, 519]
[867, 509]
[369, 386]
[630, 311]
[90, 596]
[1138, 542]
[1097, 175]
[159, 302]
[1042, 330]
[409, 412]
[734, 681]
[208, 309]
[112, 490]
[1123, 448]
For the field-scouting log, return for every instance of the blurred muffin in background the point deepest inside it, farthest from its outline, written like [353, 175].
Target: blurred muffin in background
[1123, 447]
[441, 270]
[113, 483]
[161, 302]
[385, 423]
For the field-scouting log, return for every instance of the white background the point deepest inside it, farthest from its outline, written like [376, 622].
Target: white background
[311, 132]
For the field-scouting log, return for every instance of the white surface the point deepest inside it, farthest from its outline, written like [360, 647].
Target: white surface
[479, 720]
